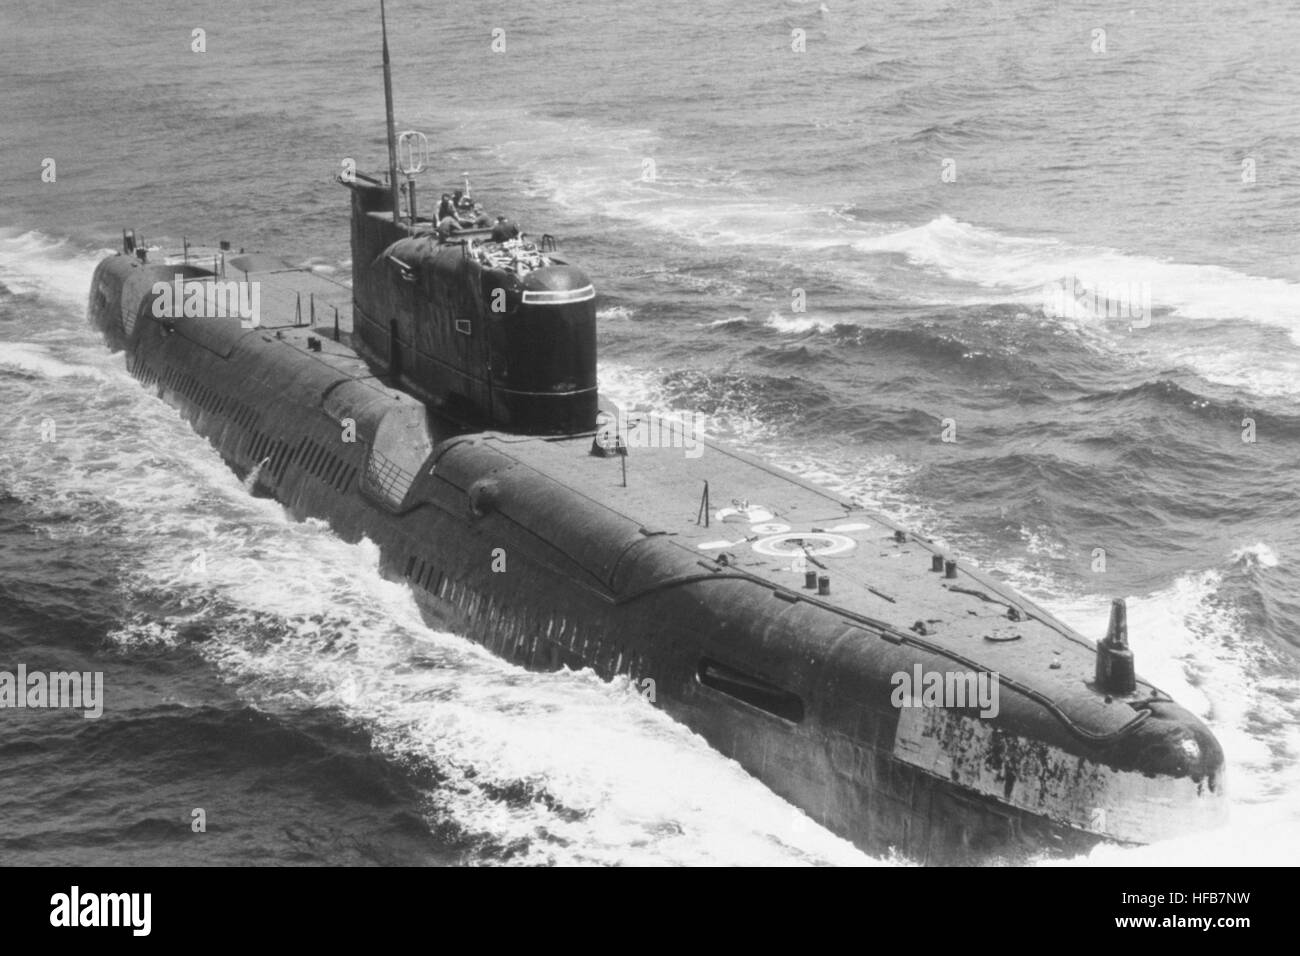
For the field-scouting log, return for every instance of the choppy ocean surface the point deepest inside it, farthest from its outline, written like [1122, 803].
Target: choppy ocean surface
[921, 172]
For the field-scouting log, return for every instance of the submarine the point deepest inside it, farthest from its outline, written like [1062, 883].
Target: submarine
[446, 407]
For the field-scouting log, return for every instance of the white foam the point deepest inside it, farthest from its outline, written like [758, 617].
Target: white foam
[1258, 553]
[797, 324]
[39, 360]
[1199, 650]
[33, 263]
[621, 782]
[1024, 266]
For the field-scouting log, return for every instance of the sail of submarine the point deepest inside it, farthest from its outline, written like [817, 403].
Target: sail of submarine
[840, 659]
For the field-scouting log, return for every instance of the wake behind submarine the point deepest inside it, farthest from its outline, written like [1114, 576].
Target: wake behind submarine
[449, 413]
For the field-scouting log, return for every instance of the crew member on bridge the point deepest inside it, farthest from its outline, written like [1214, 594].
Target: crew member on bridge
[504, 230]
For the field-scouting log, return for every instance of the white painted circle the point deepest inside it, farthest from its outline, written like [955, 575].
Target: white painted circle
[817, 544]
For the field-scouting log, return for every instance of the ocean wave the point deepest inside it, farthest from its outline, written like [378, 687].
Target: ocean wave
[34, 263]
[1259, 554]
[40, 361]
[1025, 267]
[797, 324]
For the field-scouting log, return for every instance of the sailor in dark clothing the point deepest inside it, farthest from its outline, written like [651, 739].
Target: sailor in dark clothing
[504, 230]
[448, 226]
[445, 208]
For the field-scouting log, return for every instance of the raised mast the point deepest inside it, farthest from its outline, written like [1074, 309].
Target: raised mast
[392, 129]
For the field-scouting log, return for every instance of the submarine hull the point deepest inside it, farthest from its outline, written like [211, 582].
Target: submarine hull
[543, 553]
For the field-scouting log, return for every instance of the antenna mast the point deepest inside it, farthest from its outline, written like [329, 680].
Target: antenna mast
[392, 130]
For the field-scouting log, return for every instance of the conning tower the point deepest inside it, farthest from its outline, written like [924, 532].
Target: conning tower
[496, 333]
[466, 313]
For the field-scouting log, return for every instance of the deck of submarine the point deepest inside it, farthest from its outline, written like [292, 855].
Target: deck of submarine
[967, 616]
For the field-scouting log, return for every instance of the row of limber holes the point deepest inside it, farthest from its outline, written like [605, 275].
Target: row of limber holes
[206, 398]
[316, 460]
[752, 690]
[144, 372]
[427, 576]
